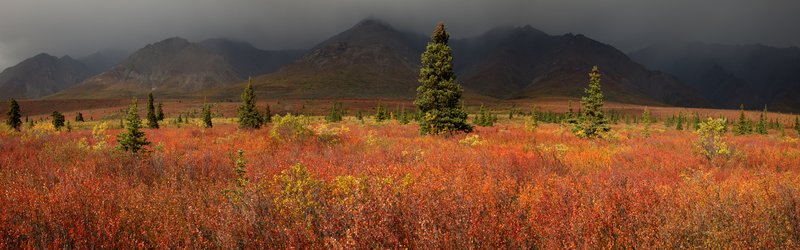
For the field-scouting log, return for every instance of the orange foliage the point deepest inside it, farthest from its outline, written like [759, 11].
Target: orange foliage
[384, 186]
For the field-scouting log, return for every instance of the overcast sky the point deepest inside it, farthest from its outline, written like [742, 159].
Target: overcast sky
[80, 27]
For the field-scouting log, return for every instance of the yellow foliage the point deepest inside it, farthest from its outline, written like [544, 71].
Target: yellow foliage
[297, 192]
[472, 140]
[330, 134]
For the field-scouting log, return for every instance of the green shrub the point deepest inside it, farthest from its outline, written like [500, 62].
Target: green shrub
[710, 143]
[290, 127]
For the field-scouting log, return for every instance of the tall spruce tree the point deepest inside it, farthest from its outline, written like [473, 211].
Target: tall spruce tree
[133, 138]
[439, 96]
[14, 115]
[592, 122]
[761, 126]
[249, 117]
[152, 118]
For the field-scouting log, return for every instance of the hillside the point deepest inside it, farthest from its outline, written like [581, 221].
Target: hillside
[171, 67]
[41, 75]
[527, 63]
[369, 60]
[248, 60]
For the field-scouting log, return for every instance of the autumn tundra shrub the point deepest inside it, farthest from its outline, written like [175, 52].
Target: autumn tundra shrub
[710, 142]
[385, 186]
[291, 127]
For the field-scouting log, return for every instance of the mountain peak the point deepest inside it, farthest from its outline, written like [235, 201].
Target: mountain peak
[41, 56]
[172, 42]
[373, 22]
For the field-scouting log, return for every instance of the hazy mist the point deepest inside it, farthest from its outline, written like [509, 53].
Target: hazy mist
[81, 27]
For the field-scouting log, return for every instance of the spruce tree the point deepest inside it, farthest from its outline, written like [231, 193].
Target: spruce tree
[14, 115]
[402, 116]
[58, 119]
[249, 117]
[267, 115]
[592, 122]
[679, 123]
[797, 124]
[79, 117]
[761, 127]
[646, 122]
[335, 114]
[160, 112]
[152, 119]
[359, 116]
[133, 138]
[742, 127]
[381, 113]
[570, 116]
[439, 96]
[207, 115]
[485, 118]
[533, 122]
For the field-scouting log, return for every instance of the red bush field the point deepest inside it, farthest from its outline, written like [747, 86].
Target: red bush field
[354, 185]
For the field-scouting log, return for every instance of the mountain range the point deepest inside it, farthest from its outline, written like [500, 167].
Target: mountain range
[374, 60]
[732, 75]
[44, 74]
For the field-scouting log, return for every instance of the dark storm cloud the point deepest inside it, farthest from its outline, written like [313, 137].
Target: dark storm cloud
[80, 27]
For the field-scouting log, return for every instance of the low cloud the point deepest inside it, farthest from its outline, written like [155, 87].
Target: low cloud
[81, 27]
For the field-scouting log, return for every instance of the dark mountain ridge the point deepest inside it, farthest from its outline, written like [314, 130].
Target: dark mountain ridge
[730, 75]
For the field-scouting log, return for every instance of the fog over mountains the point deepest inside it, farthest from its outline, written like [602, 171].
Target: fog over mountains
[373, 59]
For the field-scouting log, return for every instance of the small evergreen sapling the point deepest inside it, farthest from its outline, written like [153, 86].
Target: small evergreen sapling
[335, 114]
[267, 115]
[485, 118]
[381, 113]
[133, 139]
[58, 120]
[797, 124]
[646, 122]
[761, 126]
[207, 115]
[743, 125]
